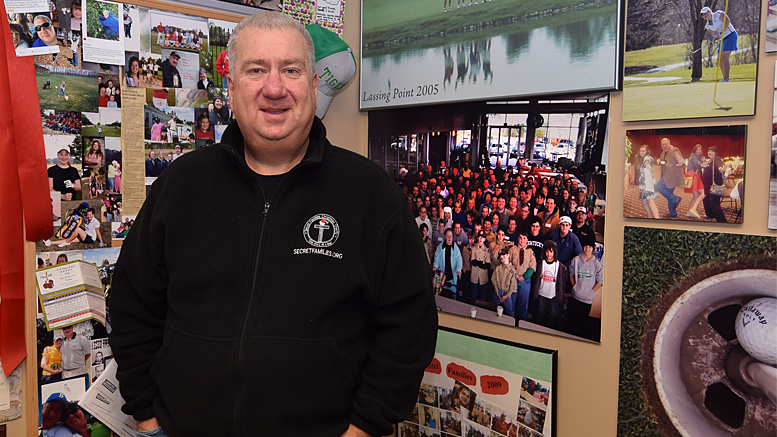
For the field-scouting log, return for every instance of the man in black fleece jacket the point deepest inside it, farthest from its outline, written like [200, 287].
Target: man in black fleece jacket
[252, 297]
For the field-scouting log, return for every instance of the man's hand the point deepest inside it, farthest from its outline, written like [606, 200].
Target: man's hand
[148, 425]
[353, 431]
[67, 196]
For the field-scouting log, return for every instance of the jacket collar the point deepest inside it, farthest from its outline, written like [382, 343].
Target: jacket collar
[232, 140]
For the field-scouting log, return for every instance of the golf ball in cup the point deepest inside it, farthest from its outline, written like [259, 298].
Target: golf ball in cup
[756, 328]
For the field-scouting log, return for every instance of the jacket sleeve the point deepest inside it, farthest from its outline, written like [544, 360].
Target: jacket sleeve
[402, 323]
[138, 308]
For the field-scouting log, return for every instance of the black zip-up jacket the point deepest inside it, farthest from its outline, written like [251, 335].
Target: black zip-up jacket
[235, 316]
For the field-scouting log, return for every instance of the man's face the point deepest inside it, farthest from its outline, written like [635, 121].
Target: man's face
[457, 207]
[67, 332]
[448, 237]
[513, 203]
[523, 240]
[580, 217]
[457, 229]
[202, 75]
[415, 191]
[64, 157]
[422, 213]
[52, 412]
[89, 216]
[665, 144]
[564, 228]
[471, 204]
[524, 212]
[272, 87]
[152, 154]
[501, 203]
[511, 226]
[505, 260]
[478, 227]
[174, 61]
[423, 185]
[550, 203]
[102, 92]
[487, 224]
[46, 34]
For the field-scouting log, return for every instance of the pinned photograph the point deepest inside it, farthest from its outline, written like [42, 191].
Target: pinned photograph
[113, 162]
[180, 69]
[142, 70]
[81, 228]
[69, 55]
[690, 61]
[33, 33]
[191, 98]
[178, 32]
[58, 122]
[104, 35]
[63, 157]
[771, 27]
[131, 25]
[48, 259]
[94, 167]
[67, 89]
[109, 91]
[694, 173]
[217, 63]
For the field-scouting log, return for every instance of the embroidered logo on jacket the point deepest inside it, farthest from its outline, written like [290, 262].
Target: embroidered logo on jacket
[321, 230]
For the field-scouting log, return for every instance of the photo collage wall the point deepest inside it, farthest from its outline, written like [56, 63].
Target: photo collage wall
[124, 91]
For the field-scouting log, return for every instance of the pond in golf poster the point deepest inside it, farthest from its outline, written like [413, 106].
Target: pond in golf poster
[418, 52]
[676, 66]
[689, 346]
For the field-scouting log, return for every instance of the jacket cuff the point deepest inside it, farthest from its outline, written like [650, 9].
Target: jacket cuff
[143, 413]
[366, 426]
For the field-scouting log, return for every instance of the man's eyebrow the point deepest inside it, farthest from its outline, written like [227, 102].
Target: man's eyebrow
[261, 61]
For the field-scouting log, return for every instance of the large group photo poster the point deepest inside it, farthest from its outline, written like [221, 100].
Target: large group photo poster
[676, 67]
[483, 387]
[442, 51]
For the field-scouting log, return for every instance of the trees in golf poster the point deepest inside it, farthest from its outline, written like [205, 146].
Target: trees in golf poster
[479, 386]
[418, 52]
[687, 365]
[676, 66]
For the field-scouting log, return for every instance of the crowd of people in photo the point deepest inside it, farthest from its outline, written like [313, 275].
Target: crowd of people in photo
[67, 122]
[513, 238]
[170, 36]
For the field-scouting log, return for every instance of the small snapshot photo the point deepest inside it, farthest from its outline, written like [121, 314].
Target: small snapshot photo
[48, 259]
[180, 69]
[429, 416]
[67, 89]
[531, 416]
[535, 392]
[160, 97]
[59, 122]
[216, 63]
[109, 90]
[191, 98]
[104, 259]
[83, 227]
[695, 174]
[102, 20]
[450, 422]
[33, 33]
[142, 70]
[63, 159]
[481, 413]
[69, 54]
[93, 174]
[178, 31]
[120, 229]
[406, 429]
[428, 395]
[462, 398]
[131, 25]
[113, 165]
[169, 124]
[104, 32]
[472, 429]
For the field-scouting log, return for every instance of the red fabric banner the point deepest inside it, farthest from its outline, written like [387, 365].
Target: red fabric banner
[24, 197]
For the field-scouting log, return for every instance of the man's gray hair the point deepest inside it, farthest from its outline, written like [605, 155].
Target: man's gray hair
[270, 20]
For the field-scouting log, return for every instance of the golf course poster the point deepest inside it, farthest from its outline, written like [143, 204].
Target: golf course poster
[683, 354]
[481, 386]
[676, 66]
[421, 52]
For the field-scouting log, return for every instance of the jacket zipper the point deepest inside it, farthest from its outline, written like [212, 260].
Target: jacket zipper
[240, 346]
[241, 341]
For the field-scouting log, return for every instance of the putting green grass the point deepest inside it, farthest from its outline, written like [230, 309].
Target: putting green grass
[108, 131]
[689, 100]
[81, 92]
[738, 73]
[659, 55]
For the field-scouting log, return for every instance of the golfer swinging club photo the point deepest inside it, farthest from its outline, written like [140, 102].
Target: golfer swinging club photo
[694, 59]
